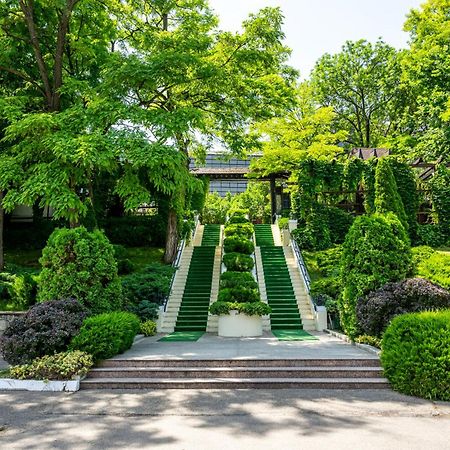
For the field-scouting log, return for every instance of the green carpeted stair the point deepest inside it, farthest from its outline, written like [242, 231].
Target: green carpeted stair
[263, 235]
[211, 235]
[280, 293]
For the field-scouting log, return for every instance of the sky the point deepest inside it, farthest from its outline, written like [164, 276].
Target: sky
[315, 27]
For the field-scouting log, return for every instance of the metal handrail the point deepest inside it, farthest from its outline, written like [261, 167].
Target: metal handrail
[301, 264]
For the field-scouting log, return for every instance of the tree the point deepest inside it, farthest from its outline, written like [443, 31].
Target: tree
[362, 85]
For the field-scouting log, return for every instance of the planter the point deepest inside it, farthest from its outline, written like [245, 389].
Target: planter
[239, 325]
[11, 384]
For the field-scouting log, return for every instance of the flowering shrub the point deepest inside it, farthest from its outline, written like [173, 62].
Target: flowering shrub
[45, 329]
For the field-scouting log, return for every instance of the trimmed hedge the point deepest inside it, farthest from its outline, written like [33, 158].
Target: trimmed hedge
[238, 244]
[416, 354]
[61, 366]
[45, 329]
[240, 229]
[106, 335]
[238, 262]
[249, 308]
[379, 307]
[239, 294]
[235, 279]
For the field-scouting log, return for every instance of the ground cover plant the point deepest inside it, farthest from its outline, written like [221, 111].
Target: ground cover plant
[45, 329]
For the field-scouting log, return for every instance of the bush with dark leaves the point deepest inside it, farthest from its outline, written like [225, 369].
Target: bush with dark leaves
[45, 329]
[376, 310]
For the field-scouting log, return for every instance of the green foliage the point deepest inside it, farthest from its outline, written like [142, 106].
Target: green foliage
[254, 202]
[387, 197]
[329, 261]
[315, 233]
[330, 286]
[244, 230]
[145, 310]
[421, 253]
[80, 264]
[107, 334]
[339, 222]
[430, 235]
[237, 219]
[231, 279]
[250, 308]
[440, 197]
[17, 291]
[283, 223]
[416, 354]
[215, 209]
[238, 262]
[148, 328]
[376, 251]
[239, 294]
[436, 268]
[60, 366]
[238, 244]
[151, 284]
[369, 340]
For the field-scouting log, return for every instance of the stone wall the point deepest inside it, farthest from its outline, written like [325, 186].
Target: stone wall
[6, 317]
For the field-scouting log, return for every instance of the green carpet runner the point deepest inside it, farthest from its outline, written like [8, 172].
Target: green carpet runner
[294, 335]
[280, 293]
[263, 235]
[211, 235]
[182, 336]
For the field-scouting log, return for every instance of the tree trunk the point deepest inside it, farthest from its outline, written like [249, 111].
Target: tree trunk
[171, 237]
[2, 221]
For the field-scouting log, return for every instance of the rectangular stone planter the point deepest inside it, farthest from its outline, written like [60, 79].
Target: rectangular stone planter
[10, 384]
[240, 325]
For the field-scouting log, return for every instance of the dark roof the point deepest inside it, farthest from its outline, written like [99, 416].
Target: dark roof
[221, 172]
[367, 153]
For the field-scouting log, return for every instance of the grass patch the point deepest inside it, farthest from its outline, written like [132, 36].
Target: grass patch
[141, 256]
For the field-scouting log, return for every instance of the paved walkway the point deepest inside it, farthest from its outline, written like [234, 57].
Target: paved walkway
[210, 346]
[222, 419]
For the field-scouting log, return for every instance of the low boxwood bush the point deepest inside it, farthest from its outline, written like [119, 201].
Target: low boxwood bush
[231, 279]
[60, 366]
[250, 309]
[107, 334]
[148, 328]
[151, 284]
[45, 329]
[239, 294]
[238, 262]
[239, 229]
[80, 264]
[238, 244]
[378, 308]
[416, 354]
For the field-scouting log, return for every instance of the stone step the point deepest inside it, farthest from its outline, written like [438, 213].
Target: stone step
[234, 383]
[236, 372]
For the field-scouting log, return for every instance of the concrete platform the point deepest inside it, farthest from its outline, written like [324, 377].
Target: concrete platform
[210, 346]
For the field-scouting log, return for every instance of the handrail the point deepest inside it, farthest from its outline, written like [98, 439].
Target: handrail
[301, 264]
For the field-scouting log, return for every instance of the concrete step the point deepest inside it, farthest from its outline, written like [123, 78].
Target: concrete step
[235, 383]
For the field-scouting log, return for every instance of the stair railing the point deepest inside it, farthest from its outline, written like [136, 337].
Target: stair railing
[301, 264]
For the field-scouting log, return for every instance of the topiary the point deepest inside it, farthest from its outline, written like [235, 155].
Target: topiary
[80, 264]
[238, 262]
[231, 279]
[376, 310]
[220, 308]
[240, 229]
[107, 334]
[376, 251]
[45, 329]
[238, 244]
[416, 354]
[238, 294]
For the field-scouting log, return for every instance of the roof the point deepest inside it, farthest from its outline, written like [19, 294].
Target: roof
[221, 172]
[367, 153]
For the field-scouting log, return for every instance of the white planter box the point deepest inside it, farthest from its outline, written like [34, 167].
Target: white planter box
[10, 384]
[240, 325]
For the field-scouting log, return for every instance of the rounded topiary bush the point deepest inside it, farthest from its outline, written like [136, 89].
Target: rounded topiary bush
[107, 334]
[80, 264]
[416, 354]
[238, 262]
[238, 244]
[245, 230]
[378, 308]
[45, 329]
[376, 250]
[238, 294]
[235, 279]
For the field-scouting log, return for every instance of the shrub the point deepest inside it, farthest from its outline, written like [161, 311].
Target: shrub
[151, 284]
[329, 261]
[283, 223]
[436, 268]
[145, 310]
[235, 279]
[238, 294]
[250, 309]
[238, 262]
[416, 354]
[430, 234]
[339, 222]
[237, 219]
[80, 264]
[61, 366]
[215, 209]
[45, 329]
[17, 290]
[420, 254]
[378, 308]
[369, 340]
[107, 334]
[314, 234]
[238, 244]
[240, 229]
[376, 251]
[328, 286]
[148, 328]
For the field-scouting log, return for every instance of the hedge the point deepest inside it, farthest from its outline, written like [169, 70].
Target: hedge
[238, 244]
[238, 262]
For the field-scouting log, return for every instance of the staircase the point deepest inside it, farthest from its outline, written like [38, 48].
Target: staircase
[237, 374]
[211, 235]
[263, 235]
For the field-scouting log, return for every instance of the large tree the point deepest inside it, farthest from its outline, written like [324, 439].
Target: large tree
[362, 85]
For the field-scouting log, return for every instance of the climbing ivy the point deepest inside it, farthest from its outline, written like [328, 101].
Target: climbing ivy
[440, 197]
